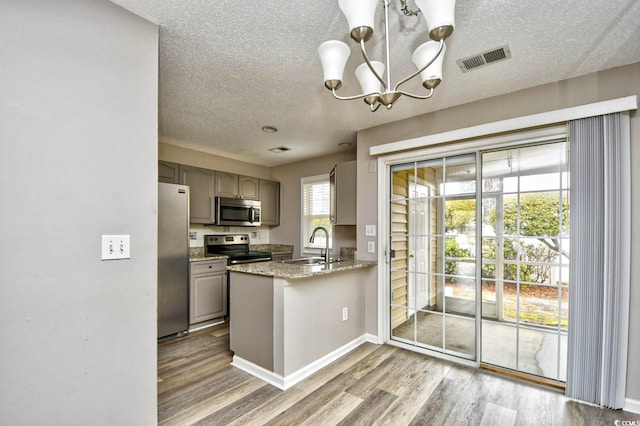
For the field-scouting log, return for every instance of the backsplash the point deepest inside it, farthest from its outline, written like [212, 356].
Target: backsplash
[272, 248]
[348, 253]
[257, 235]
[196, 252]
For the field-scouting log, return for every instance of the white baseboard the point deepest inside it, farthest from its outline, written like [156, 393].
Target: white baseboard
[259, 372]
[632, 405]
[205, 324]
[286, 382]
[372, 338]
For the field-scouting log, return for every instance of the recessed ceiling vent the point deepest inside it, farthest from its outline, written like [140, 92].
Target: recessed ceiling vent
[483, 59]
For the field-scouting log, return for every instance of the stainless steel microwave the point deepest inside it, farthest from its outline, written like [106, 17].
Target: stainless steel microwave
[237, 212]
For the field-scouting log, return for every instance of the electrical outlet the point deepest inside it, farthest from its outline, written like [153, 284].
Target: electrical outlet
[371, 246]
[116, 247]
[345, 314]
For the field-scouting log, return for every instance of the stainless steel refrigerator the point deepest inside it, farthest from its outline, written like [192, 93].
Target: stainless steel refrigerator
[173, 260]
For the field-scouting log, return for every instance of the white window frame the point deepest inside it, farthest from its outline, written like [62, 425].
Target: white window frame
[305, 249]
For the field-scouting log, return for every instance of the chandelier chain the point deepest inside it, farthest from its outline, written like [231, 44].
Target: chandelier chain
[408, 12]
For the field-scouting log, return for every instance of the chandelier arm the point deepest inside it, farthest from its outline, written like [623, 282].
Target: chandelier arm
[411, 95]
[376, 107]
[395, 89]
[368, 61]
[350, 98]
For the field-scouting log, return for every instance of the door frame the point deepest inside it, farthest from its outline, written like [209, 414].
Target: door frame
[384, 164]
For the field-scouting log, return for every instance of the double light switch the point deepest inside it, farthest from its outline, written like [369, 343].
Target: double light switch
[116, 247]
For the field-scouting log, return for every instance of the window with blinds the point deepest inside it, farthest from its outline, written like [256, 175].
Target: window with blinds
[315, 212]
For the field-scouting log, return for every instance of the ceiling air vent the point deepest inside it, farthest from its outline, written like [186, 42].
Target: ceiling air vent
[483, 59]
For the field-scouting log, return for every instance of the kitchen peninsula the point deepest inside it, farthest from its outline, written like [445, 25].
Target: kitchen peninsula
[289, 320]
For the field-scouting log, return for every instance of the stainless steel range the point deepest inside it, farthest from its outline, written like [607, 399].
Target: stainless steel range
[236, 246]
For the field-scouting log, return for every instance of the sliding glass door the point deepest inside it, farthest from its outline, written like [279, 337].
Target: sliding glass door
[525, 267]
[483, 265]
[433, 264]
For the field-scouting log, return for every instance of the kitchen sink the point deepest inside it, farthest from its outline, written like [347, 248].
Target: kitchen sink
[310, 261]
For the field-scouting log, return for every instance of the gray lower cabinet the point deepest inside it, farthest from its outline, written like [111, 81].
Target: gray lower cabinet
[208, 290]
[270, 202]
[201, 193]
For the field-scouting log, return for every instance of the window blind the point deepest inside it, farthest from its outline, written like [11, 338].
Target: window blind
[315, 205]
[600, 245]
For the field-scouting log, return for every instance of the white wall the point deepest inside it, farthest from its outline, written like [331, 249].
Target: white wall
[78, 154]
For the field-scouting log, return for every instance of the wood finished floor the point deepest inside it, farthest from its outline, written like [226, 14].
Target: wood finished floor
[372, 385]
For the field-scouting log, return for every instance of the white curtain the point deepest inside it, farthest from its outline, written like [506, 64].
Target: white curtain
[600, 259]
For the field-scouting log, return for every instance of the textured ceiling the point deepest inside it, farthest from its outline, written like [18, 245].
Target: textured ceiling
[227, 68]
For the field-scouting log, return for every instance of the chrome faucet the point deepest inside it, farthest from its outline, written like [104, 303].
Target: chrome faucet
[327, 258]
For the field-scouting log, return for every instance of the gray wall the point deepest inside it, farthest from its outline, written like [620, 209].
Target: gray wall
[312, 315]
[614, 83]
[78, 147]
[289, 177]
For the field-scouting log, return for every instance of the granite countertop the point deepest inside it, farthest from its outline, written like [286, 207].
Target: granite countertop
[278, 269]
[209, 257]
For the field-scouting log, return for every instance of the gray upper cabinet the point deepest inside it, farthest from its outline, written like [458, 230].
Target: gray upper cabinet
[270, 202]
[201, 195]
[205, 185]
[342, 188]
[168, 172]
[248, 187]
[231, 185]
[226, 185]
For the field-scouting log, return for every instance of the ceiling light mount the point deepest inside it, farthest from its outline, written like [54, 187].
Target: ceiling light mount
[428, 57]
[279, 149]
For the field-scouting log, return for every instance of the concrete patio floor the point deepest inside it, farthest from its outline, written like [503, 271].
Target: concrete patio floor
[532, 350]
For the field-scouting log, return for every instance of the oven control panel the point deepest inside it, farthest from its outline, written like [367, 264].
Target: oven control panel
[225, 239]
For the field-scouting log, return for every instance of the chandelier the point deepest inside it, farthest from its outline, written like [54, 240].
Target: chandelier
[427, 57]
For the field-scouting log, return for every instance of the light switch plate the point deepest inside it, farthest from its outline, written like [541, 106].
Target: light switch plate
[116, 247]
[370, 230]
[371, 246]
